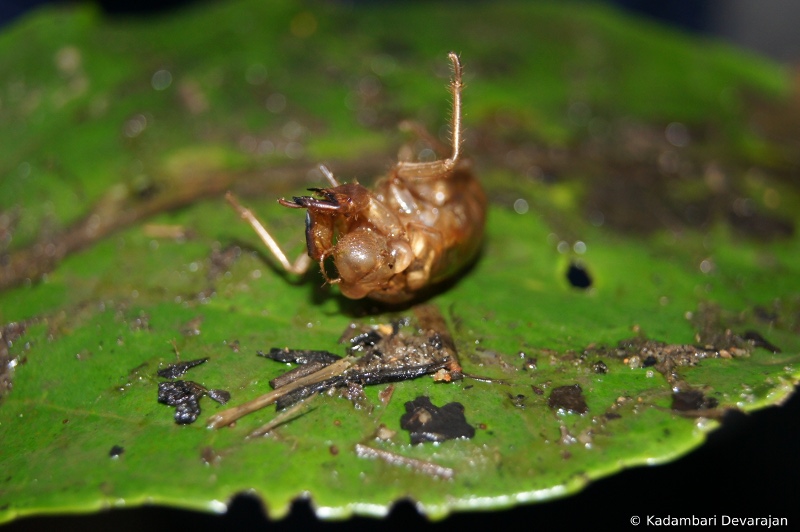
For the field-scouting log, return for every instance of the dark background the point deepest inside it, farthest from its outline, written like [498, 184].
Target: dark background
[768, 27]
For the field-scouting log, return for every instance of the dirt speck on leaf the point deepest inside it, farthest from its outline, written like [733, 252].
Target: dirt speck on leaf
[116, 451]
[221, 260]
[568, 399]
[9, 334]
[385, 395]
[517, 400]
[209, 456]
[192, 327]
[665, 358]
[689, 400]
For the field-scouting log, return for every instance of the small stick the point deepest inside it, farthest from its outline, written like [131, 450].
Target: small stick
[421, 466]
[226, 417]
[287, 415]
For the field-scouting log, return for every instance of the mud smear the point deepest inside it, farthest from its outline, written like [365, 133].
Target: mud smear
[427, 422]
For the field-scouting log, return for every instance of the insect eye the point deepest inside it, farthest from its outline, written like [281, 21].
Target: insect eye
[358, 254]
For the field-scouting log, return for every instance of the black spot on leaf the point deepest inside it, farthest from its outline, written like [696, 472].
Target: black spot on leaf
[427, 422]
[116, 451]
[568, 398]
[692, 400]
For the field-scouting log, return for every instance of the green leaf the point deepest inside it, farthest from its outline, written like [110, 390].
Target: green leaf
[607, 146]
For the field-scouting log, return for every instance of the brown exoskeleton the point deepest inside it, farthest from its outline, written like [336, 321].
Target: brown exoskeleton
[420, 225]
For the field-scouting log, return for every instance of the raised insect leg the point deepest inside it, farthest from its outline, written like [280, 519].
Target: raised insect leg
[442, 166]
[299, 267]
[417, 129]
[328, 175]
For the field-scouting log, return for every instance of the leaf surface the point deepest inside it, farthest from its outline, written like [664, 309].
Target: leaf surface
[618, 153]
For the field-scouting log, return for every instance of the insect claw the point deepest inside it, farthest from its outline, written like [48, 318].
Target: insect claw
[307, 202]
[291, 204]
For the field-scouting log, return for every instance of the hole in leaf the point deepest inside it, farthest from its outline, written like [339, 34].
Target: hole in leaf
[578, 276]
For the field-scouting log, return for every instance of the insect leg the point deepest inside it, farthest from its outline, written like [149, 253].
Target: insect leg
[299, 267]
[443, 166]
[414, 127]
[328, 175]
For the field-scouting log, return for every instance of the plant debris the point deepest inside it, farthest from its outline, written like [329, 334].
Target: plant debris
[295, 411]
[427, 422]
[310, 362]
[185, 397]
[174, 371]
[388, 352]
